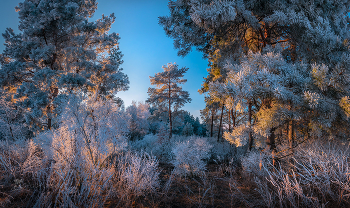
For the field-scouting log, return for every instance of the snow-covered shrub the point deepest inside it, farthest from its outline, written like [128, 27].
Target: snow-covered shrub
[12, 156]
[76, 186]
[154, 145]
[163, 132]
[222, 151]
[254, 161]
[316, 175]
[162, 147]
[90, 158]
[22, 167]
[89, 134]
[189, 156]
[37, 164]
[89, 131]
[138, 173]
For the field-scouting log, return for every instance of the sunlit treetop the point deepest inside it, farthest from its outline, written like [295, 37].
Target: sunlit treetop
[312, 28]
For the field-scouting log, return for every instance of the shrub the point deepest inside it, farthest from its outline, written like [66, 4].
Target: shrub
[190, 156]
[77, 164]
[89, 133]
[138, 174]
[316, 176]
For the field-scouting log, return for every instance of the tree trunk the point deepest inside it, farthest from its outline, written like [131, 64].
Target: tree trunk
[212, 123]
[13, 138]
[291, 130]
[170, 122]
[290, 135]
[49, 123]
[250, 142]
[271, 144]
[54, 93]
[49, 120]
[222, 113]
[229, 120]
[233, 119]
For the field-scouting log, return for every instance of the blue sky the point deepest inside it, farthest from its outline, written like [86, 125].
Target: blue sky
[143, 42]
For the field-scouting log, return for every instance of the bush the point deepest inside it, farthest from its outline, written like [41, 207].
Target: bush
[154, 145]
[190, 156]
[81, 164]
[138, 174]
[316, 176]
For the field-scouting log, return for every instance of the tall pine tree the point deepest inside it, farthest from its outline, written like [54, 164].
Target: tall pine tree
[168, 93]
[59, 52]
[314, 40]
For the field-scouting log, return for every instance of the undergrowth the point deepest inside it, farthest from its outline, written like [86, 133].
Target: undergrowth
[316, 175]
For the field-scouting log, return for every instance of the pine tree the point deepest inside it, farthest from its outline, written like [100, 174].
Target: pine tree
[11, 120]
[59, 52]
[239, 26]
[312, 38]
[168, 92]
[187, 129]
[138, 124]
[209, 114]
[262, 82]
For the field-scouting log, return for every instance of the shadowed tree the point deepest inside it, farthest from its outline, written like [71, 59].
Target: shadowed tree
[168, 92]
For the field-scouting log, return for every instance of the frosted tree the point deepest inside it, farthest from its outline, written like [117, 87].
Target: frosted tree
[158, 115]
[263, 82]
[197, 127]
[168, 92]
[231, 27]
[187, 129]
[312, 35]
[138, 124]
[209, 114]
[59, 52]
[11, 120]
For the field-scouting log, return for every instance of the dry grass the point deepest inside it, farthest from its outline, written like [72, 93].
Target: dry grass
[317, 175]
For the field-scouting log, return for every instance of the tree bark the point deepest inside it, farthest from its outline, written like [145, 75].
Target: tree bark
[212, 123]
[170, 122]
[291, 130]
[222, 113]
[229, 120]
[250, 142]
[290, 135]
[49, 120]
[271, 144]
[233, 119]
[54, 93]
[13, 138]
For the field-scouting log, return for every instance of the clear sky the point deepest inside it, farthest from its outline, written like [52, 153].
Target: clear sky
[143, 42]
